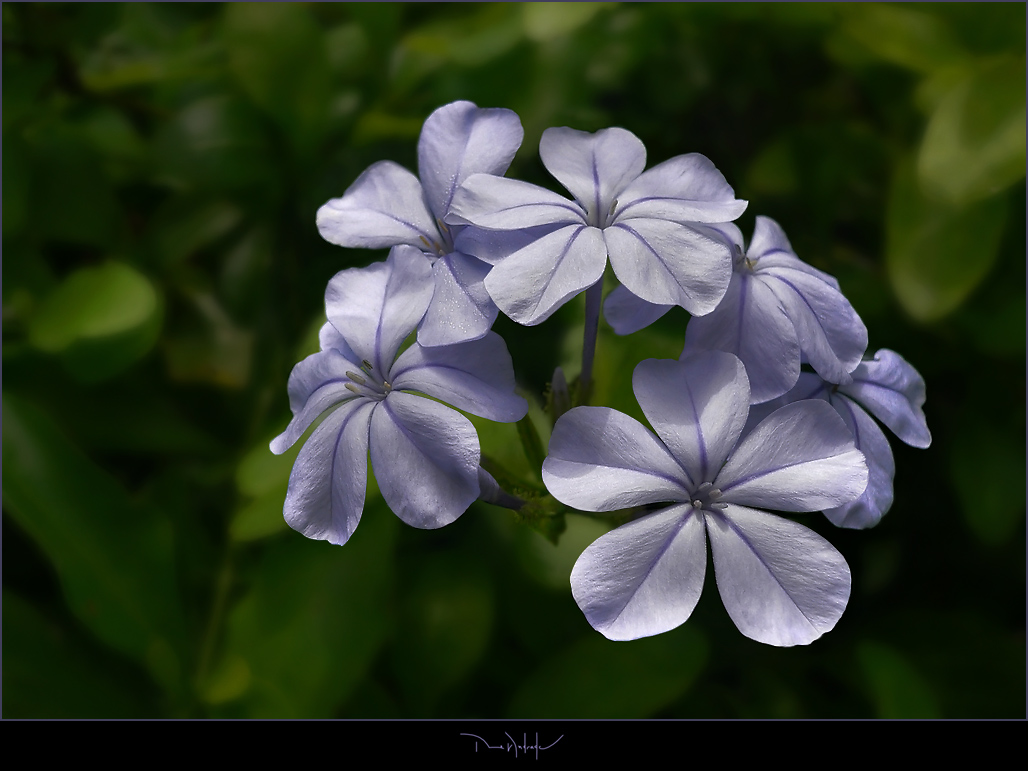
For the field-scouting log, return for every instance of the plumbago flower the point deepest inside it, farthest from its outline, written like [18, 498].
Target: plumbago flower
[777, 309]
[425, 455]
[888, 388]
[388, 205]
[653, 225]
[781, 583]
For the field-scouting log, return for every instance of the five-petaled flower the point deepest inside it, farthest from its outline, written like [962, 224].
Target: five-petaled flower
[653, 225]
[781, 583]
[387, 205]
[425, 455]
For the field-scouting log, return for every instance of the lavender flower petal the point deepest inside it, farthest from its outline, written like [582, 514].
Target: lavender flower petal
[376, 307]
[601, 460]
[593, 167]
[697, 406]
[385, 206]
[627, 313]
[894, 393]
[800, 458]
[645, 577]
[327, 485]
[461, 308]
[476, 377]
[459, 140]
[867, 510]
[830, 332]
[666, 263]
[751, 323]
[425, 457]
[781, 583]
[688, 188]
[330, 339]
[492, 246]
[315, 384]
[499, 203]
[532, 283]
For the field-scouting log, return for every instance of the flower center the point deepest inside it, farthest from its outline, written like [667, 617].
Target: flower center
[445, 243]
[706, 497]
[742, 263]
[370, 385]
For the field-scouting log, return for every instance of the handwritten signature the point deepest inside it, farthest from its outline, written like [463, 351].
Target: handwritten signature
[511, 744]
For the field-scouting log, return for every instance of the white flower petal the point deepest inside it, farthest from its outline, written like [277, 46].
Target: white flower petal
[477, 377]
[781, 583]
[627, 313]
[830, 332]
[315, 384]
[645, 577]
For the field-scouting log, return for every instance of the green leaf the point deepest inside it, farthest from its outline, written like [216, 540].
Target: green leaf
[936, 254]
[101, 319]
[305, 634]
[91, 303]
[600, 679]
[114, 562]
[896, 687]
[974, 145]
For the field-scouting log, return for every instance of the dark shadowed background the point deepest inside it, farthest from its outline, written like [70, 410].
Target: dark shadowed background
[162, 273]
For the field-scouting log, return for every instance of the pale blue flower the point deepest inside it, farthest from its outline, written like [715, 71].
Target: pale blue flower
[781, 583]
[425, 455]
[388, 205]
[653, 225]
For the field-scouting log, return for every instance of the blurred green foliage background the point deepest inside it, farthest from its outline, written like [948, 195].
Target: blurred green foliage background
[162, 165]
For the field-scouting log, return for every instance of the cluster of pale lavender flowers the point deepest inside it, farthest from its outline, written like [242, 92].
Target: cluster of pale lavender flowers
[738, 426]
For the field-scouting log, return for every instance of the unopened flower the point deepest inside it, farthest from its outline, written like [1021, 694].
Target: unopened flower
[425, 455]
[781, 583]
[652, 224]
[388, 205]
